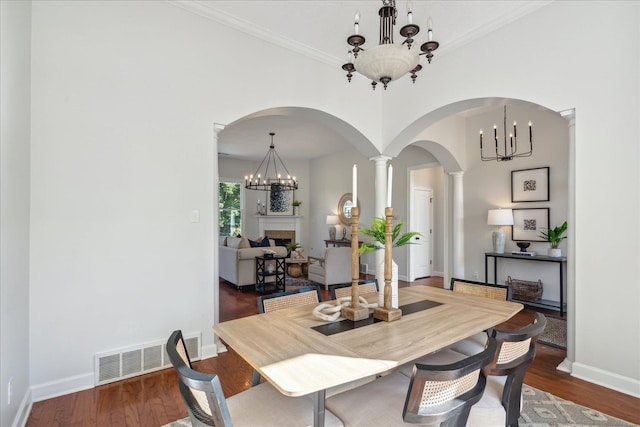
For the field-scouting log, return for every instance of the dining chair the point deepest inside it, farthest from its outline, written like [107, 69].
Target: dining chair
[505, 373]
[262, 405]
[487, 290]
[369, 286]
[440, 394]
[295, 298]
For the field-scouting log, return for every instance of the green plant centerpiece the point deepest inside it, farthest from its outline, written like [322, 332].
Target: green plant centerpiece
[296, 203]
[554, 235]
[377, 232]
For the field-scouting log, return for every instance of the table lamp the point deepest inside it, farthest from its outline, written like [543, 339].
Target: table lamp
[332, 220]
[499, 217]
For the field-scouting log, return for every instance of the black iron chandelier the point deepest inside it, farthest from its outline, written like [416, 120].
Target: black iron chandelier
[388, 61]
[510, 150]
[272, 174]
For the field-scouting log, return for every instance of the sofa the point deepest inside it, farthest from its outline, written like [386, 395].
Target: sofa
[238, 259]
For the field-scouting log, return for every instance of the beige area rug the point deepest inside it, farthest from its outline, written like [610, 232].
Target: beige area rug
[555, 333]
[540, 409]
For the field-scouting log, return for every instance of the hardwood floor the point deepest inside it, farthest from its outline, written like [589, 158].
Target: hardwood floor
[153, 399]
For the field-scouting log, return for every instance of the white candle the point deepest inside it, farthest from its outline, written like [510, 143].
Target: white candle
[409, 13]
[389, 185]
[354, 192]
[356, 26]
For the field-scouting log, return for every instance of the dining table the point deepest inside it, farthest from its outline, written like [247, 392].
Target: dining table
[300, 354]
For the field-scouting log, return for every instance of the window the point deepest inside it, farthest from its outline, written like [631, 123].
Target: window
[230, 208]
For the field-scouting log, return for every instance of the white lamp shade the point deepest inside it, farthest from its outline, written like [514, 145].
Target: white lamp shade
[333, 220]
[500, 217]
[386, 60]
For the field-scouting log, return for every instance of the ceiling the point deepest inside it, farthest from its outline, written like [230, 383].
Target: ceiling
[319, 28]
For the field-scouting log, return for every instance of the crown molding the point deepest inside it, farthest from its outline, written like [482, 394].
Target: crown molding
[206, 10]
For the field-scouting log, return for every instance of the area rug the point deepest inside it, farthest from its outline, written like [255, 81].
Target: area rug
[293, 283]
[539, 409]
[555, 333]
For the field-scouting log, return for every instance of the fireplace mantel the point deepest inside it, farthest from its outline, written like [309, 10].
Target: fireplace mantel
[280, 222]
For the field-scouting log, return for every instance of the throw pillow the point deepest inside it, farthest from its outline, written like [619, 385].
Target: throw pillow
[237, 242]
[264, 242]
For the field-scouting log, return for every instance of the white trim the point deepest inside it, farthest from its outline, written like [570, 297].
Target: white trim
[62, 386]
[205, 9]
[565, 366]
[23, 411]
[627, 385]
[211, 350]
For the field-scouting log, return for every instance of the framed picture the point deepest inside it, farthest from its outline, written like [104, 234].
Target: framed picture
[529, 223]
[530, 185]
[280, 201]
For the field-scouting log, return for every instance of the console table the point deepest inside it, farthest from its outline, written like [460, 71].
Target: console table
[270, 266]
[338, 242]
[551, 305]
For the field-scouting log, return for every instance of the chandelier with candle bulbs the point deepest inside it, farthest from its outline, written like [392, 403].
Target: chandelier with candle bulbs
[389, 61]
[272, 174]
[509, 150]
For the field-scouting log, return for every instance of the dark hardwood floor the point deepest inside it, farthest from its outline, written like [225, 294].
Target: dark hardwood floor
[153, 399]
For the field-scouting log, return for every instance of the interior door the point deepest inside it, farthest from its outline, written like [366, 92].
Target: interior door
[421, 221]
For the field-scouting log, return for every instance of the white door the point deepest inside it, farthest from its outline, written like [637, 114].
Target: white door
[421, 221]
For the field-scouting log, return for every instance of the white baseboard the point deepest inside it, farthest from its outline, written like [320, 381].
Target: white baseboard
[565, 366]
[607, 379]
[211, 350]
[23, 411]
[62, 386]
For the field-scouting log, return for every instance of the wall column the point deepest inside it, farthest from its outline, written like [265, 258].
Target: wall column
[220, 347]
[380, 187]
[457, 222]
[567, 364]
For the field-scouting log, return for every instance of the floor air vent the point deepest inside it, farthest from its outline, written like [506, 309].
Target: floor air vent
[137, 360]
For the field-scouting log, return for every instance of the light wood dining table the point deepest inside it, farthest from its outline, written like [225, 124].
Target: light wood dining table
[299, 360]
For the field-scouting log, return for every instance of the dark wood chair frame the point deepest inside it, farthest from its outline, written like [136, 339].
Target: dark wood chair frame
[346, 285]
[188, 380]
[455, 412]
[516, 369]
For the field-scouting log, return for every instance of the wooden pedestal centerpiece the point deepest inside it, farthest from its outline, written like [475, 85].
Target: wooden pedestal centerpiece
[355, 312]
[387, 313]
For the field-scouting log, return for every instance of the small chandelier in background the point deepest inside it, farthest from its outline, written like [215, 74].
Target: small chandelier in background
[511, 150]
[388, 61]
[279, 180]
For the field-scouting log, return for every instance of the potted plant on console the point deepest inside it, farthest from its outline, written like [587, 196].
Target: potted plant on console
[555, 236]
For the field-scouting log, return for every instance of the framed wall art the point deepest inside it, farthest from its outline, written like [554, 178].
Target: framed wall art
[530, 185]
[280, 201]
[529, 223]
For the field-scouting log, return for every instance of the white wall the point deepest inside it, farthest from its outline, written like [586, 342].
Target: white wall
[555, 68]
[487, 185]
[15, 86]
[125, 95]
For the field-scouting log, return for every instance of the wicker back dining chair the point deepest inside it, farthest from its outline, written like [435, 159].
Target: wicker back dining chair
[369, 286]
[259, 406]
[487, 290]
[434, 395]
[295, 298]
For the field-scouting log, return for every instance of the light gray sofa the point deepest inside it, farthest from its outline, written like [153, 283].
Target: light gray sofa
[237, 259]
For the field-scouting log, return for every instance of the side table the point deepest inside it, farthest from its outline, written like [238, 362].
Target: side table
[270, 273]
